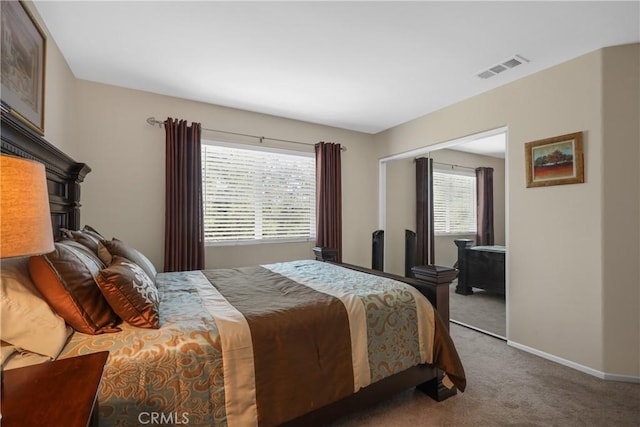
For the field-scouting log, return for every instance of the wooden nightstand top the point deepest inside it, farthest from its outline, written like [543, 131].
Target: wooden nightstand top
[59, 393]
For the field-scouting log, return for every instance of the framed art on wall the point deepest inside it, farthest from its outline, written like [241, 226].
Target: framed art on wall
[23, 65]
[555, 161]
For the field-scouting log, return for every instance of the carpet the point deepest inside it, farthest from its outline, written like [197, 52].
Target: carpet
[509, 387]
[483, 310]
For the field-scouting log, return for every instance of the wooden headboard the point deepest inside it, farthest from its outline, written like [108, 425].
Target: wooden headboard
[64, 175]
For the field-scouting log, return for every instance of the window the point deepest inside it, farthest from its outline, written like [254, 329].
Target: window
[454, 202]
[251, 194]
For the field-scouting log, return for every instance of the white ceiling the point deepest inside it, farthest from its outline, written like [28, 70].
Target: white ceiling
[493, 146]
[365, 66]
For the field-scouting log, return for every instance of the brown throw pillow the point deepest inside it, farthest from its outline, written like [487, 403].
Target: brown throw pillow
[130, 292]
[66, 279]
[88, 236]
[85, 239]
[92, 231]
[117, 247]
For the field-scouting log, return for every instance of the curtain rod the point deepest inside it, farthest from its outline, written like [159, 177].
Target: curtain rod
[152, 121]
[453, 166]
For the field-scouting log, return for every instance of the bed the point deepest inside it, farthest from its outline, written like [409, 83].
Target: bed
[329, 339]
[480, 267]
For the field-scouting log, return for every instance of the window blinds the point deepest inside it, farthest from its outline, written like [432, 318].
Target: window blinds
[454, 203]
[253, 195]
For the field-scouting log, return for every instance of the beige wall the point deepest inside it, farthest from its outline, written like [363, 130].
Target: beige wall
[400, 212]
[555, 234]
[59, 94]
[123, 196]
[621, 214]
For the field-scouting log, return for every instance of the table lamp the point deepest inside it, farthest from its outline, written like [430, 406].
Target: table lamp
[25, 218]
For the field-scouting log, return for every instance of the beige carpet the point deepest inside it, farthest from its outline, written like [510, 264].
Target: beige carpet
[509, 387]
[483, 310]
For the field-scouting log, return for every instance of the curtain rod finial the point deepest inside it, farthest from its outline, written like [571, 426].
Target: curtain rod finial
[152, 121]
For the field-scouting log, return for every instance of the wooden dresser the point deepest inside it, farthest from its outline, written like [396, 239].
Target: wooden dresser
[481, 267]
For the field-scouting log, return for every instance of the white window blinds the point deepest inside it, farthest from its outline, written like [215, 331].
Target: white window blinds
[454, 202]
[251, 195]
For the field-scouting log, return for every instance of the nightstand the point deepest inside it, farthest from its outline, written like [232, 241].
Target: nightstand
[58, 393]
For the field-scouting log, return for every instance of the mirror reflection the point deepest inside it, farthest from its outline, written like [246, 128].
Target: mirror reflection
[468, 192]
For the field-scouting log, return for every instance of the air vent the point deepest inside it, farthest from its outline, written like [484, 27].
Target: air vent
[486, 74]
[513, 62]
[505, 65]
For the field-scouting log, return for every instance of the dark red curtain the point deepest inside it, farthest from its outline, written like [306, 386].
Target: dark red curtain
[329, 196]
[184, 230]
[484, 201]
[425, 254]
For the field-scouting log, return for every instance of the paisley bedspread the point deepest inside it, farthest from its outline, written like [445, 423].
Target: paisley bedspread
[199, 368]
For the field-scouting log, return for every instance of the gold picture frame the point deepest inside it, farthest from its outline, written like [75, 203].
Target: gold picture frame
[24, 47]
[555, 161]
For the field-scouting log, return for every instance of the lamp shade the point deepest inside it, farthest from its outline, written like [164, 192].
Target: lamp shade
[25, 218]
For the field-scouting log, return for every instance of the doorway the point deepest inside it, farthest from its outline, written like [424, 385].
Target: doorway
[483, 311]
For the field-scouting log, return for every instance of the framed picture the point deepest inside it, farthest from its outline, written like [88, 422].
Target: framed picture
[23, 62]
[555, 161]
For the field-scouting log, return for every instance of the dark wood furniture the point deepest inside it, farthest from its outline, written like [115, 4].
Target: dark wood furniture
[410, 252]
[60, 393]
[325, 254]
[480, 267]
[377, 250]
[65, 175]
[439, 279]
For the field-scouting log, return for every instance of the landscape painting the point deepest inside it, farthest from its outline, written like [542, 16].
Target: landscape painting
[23, 65]
[554, 161]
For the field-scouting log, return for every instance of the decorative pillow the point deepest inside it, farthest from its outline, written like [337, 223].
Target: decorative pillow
[90, 230]
[104, 254]
[130, 292]
[66, 279]
[84, 250]
[28, 322]
[117, 247]
[88, 237]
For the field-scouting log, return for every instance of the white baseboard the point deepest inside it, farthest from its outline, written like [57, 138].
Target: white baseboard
[475, 328]
[574, 365]
[621, 378]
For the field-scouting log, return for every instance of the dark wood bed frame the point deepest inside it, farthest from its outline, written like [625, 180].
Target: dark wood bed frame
[64, 176]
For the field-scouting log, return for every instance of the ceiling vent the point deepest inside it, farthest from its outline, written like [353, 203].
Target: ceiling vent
[505, 65]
